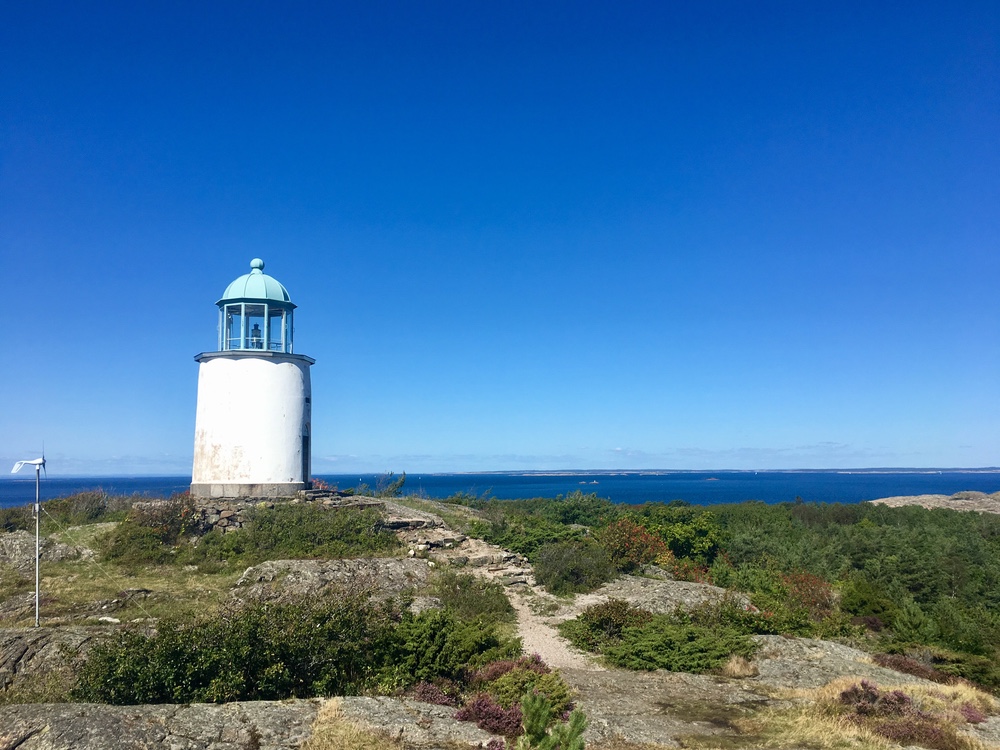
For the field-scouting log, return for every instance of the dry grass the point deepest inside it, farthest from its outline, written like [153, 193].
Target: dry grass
[818, 722]
[738, 667]
[46, 687]
[331, 731]
[75, 590]
[83, 536]
[929, 697]
[618, 743]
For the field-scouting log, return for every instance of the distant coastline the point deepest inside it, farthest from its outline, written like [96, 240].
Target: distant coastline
[623, 486]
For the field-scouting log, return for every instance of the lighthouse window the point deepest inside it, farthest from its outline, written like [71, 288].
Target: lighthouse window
[275, 329]
[255, 327]
[234, 327]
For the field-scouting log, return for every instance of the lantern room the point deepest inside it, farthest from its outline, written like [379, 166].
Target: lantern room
[255, 313]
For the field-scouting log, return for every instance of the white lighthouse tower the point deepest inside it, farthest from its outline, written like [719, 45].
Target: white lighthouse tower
[254, 397]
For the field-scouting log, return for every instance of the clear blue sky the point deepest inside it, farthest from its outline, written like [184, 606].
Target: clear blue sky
[520, 234]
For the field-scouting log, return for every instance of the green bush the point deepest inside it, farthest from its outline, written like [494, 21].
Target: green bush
[436, 644]
[149, 533]
[688, 532]
[297, 531]
[604, 623]
[509, 688]
[525, 535]
[665, 643]
[634, 638]
[471, 598]
[539, 732]
[573, 567]
[253, 652]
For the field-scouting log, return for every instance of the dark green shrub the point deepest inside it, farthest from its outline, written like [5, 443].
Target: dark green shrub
[689, 532]
[573, 567]
[539, 732]
[665, 643]
[297, 531]
[149, 533]
[522, 534]
[472, 598]
[636, 639]
[253, 652]
[604, 623]
[132, 545]
[437, 644]
[19, 518]
[862, 598]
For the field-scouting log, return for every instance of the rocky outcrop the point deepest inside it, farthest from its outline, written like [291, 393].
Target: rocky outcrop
[968, 501]
[28, 652]
[17, 549]
[229, 514]
[259, 725]
[284, 579]
[418, 725]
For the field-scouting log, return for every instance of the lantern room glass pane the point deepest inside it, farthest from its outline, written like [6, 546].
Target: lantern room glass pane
[234, 327]
[255, 327]
[275, 328]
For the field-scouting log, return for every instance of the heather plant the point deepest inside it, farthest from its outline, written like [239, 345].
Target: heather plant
[490, 716]
[508, 689]
[441, 692]
[573, 567]
[896, 716]
[629, 545]
[909, 665]
[496, 669]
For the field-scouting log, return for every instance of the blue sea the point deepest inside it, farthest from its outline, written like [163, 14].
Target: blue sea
[696, 487]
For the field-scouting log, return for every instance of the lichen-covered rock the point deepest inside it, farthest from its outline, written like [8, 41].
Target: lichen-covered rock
[418, 725]
[17, 548]
[282, 579]
[810, 663]
[266, 725]
[30, 652]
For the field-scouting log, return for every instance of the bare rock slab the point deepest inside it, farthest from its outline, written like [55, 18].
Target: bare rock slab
[387, 577]
[25, 652]
[267, 725]
[419, 725]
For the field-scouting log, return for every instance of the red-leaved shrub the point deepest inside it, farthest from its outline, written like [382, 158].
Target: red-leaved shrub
[629, 544]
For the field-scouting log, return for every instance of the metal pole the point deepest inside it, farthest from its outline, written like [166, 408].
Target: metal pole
[38, 555]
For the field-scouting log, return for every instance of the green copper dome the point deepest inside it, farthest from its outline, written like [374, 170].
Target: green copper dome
[256, 285]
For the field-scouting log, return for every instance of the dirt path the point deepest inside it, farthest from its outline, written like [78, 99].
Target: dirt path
[539, 636]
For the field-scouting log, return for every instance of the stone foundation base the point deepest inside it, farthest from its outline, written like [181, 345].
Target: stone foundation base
[226, 490]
